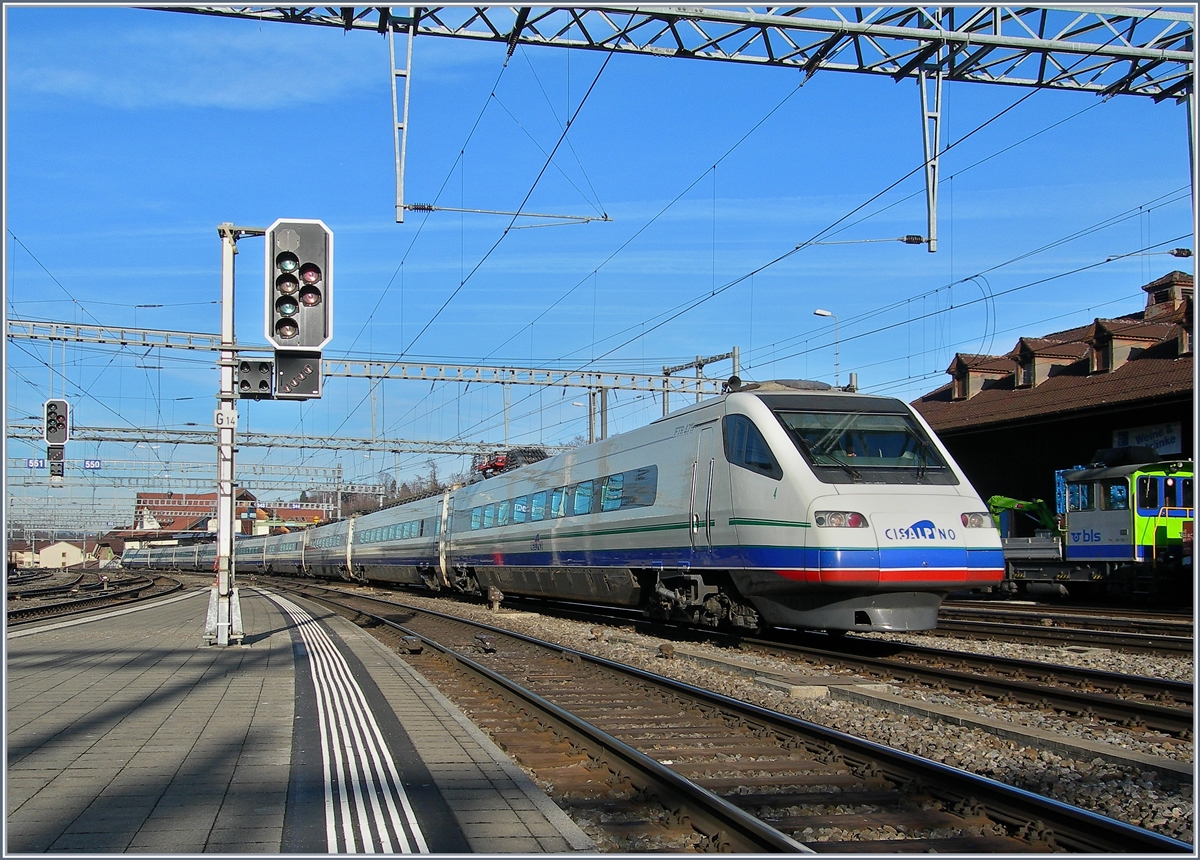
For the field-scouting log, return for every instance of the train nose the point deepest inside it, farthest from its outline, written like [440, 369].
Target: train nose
[889, 547]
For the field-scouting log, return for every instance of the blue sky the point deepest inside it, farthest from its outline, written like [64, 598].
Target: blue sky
[131, 134]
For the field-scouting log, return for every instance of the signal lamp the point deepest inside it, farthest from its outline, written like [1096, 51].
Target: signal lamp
[287, 284]
[310, 273]
[286, 328]
[287, 306]
[310, 297]
[287, 262]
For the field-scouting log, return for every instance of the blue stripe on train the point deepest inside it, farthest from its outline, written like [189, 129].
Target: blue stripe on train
[786, 558]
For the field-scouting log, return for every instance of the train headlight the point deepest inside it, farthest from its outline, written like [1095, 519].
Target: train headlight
[840, 520]
[977, 521]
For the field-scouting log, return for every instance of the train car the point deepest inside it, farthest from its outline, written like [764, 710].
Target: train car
[284, 554]
[787, 504]
[399, 544]
[327, 549]
[1126, 532]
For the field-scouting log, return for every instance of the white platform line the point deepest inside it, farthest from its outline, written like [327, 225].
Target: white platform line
[359, 770]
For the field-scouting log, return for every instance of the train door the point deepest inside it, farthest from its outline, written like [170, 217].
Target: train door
[444, 537]
[710, 498]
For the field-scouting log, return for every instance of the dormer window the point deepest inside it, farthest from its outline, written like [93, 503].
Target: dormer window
[1185, 340]
[1102, 356]
[961, 386]
[1025, 373]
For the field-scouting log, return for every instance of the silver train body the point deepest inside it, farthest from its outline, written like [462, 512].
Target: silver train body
[780, 504]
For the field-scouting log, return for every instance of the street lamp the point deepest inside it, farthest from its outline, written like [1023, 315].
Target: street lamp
[820, 312]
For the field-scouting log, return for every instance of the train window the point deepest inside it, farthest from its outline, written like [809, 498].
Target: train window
[537, 507]
[502, 513]
[1185, 493]
[420, 528]
[1079, 497]
[610, 494]
[871, 447]
[489, 516]
[583, 498]
[557, 500]
[520, 509]
[476, 518]
[746, 447]
[640, 487]
[1114, 495]
[1149, 493]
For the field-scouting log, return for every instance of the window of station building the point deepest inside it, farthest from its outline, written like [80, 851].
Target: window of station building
[746, 447]
[582, 498]
[537, 507]
[1114, 495]
[489, 515]
[502, 513]
[476, 518]
[1080, 497]
[1025, 373]
[520, 509]
[1149, 493]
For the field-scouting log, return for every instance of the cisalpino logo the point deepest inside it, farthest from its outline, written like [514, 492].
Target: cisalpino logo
[923, 530]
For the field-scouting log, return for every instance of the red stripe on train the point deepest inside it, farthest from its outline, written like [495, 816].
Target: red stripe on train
[887, 576]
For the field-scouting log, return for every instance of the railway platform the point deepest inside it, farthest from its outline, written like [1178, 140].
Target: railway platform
[126, 733]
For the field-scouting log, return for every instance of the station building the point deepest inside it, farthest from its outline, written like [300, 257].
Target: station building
[1054, 400]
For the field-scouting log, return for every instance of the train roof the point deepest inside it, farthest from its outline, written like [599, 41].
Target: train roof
[1184, 466]
[829, 397]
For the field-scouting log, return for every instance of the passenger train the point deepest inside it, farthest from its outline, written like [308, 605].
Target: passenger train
[781, 504]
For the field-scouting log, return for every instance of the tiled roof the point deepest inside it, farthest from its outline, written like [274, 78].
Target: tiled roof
[1155, 371]
[1050, 348]
[1141, 379]
[981, 363]
[1135, 329]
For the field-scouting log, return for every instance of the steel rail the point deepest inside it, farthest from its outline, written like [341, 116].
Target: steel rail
[30, 614]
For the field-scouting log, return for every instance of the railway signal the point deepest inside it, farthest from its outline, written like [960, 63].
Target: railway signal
[57, 456]
[56, 422]
[254, 378]
[299, 284]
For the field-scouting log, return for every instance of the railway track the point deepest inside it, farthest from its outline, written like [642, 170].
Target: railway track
[1083, 617]
[676, 767]
[1126, 700]
[1049, 634]
[121, 592]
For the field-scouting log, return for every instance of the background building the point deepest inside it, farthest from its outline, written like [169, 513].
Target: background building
[1053, 401]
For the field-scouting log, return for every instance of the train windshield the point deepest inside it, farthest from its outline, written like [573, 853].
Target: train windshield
[866, 448]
